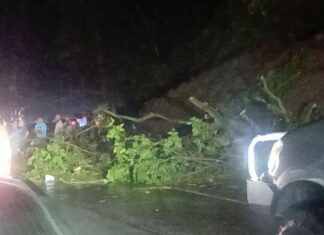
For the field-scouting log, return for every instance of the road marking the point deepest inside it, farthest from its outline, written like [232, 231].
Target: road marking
[21, 185]
[196, 193]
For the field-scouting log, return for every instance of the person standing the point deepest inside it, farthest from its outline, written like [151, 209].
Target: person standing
[59, 125]
[40, 128]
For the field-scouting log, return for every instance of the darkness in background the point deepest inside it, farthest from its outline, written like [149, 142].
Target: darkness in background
[55, 54]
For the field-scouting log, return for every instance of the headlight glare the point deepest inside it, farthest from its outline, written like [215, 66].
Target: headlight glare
[273, 162]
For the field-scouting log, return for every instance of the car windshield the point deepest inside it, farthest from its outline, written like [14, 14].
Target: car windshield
[161, 117]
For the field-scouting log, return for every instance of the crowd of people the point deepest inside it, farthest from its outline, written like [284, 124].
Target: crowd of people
[59, 126]
[19, 130]
[17, 133]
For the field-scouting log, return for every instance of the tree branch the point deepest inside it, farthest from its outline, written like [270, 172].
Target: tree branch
[80, 149]
[212, 112]
[144, 118]
[244, 116]
[307, 113]
[275, 99]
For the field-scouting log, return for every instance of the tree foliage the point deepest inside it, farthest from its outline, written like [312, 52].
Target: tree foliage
[62, 161]
[273, 88]
[172, 159]
[136, 157]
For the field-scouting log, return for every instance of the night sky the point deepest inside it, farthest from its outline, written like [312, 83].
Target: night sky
[53, 48]
[58, 52]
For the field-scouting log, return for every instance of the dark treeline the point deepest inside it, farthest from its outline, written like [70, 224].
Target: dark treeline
[126, 51]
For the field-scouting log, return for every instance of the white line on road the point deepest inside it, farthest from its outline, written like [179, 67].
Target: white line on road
[196, 193]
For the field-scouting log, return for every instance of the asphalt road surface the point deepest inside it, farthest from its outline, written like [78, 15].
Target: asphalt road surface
[20, 214]
[100, 210]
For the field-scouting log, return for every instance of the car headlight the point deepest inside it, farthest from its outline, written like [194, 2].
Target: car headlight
[273, 162]
[251, 155]
[5, 156]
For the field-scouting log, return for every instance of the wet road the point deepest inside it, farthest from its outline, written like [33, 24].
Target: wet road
[20, 214]
[124, 210]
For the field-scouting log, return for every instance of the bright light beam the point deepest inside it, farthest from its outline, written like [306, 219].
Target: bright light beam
[5, 154]
[251, 154]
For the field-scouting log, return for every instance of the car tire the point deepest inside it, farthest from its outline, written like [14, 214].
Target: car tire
[300, 222]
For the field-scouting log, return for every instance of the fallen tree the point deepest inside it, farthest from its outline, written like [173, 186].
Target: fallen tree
[173, 159]
[103, 109]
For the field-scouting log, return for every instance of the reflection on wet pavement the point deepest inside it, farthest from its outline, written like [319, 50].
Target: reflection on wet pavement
[20, 214]
[130, 210]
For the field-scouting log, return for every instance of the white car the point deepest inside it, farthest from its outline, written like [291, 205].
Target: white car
[291, 184]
